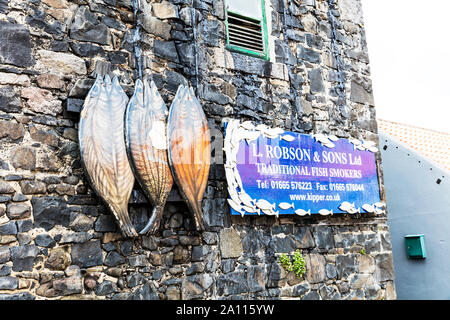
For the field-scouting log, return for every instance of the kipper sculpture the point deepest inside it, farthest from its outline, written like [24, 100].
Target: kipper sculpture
[189, 149]
[146, 140]
[102, 148]
[121, 140]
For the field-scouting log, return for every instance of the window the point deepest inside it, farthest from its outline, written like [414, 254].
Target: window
[247, 27]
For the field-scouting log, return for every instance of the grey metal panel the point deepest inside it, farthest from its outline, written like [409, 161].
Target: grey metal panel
[418, 202]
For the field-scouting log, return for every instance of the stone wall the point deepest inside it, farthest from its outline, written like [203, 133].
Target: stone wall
[57, 240]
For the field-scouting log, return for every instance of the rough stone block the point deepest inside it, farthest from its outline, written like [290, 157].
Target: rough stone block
[346, 265]
[315, 268]
[87, 27]
[230, 243]
[8, 228]
[4, 186]
[9, 100]
[15, 45]
[232, 283]
[87, 254]
[18, 211]
[256, 278]
[50, 211]
[360, 94]
[4, 254]
[8, 283]
[165, 10]
[23, 257]
[60, 63]
[23, 158]
[384, 267]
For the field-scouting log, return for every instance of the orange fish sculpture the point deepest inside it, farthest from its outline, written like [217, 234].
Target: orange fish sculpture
[102, 148]
[189, 149]
[146, 140]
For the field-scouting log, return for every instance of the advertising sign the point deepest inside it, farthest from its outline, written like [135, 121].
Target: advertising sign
[271, 171]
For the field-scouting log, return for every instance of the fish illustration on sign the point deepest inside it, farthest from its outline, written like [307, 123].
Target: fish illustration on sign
[236, 207]
[288, 138]
[189, 150]
[103, 151]
[332, 137]
[248, 125]
[368, 208]
[145, 133]
[302, 212]
[286, 206]
[325, 212]
[246, 199]
[379, 204]
[265, 205]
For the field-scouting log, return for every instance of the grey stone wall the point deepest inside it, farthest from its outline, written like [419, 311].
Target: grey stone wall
[57, 240]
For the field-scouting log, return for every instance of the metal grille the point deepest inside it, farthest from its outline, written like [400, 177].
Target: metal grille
[245, 32]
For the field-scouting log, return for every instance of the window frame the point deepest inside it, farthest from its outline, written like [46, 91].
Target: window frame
[266, 54]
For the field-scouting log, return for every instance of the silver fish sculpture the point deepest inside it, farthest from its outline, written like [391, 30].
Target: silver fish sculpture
[146, 140]
[302, 212]
[286, 206]
[233, 194]
[329, 145]
[246, 199]
[265, 205]
[354, 210]
[288, 138]
[251, 136]
[238, 179]
[360, 148]
[368, 208]
[345, 206]
[251, 209]
[332, 137]
[236, 207]
[275, 131]
[379, 204]
[325, 212]
[103, 151]
[270, 212]
[248, 125]
[355, 142]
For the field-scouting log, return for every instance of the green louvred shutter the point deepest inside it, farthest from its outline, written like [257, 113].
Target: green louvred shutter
[247, 27]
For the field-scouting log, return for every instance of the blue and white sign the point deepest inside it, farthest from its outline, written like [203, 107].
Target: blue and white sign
[273, 172]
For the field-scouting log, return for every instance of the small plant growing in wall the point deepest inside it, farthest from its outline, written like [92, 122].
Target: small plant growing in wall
[297, 264]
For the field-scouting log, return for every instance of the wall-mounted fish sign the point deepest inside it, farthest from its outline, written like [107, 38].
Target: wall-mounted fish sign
[189, 149]
[146, 140]
[103, 151]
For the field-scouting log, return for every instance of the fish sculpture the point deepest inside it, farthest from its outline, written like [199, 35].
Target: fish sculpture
[325, 212]
[368, 208]
[265, 205]
[302, 212]
[146, 140]
[288, 138]
[189, 151]
[102, 148]
[286, 206]
[236, 207]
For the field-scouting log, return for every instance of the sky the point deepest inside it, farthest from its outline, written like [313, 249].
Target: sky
[409, 52]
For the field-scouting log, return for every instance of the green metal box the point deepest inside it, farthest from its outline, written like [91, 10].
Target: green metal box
[415, 246]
